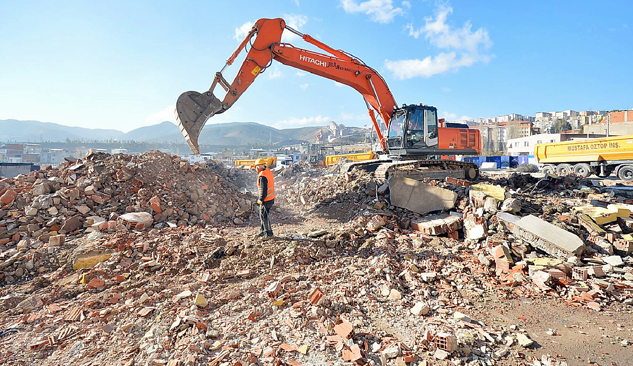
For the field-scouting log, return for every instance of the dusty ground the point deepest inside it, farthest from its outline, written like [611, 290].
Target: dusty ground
[579, 335]
[137, 307]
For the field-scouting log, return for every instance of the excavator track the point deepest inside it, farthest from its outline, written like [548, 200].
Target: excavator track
[418, 169]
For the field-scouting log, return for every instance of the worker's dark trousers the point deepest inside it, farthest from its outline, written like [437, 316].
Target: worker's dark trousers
[264, 210]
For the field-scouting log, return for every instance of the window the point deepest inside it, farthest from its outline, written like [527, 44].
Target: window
[516, 144]
[539, 142]
[526, 144]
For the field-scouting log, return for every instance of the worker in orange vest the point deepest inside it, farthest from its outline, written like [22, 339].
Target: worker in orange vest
[266, 197]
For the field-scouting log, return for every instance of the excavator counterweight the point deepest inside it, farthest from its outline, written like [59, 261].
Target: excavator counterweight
[193, 109]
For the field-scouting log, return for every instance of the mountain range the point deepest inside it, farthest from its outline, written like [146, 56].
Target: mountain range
[234, 133]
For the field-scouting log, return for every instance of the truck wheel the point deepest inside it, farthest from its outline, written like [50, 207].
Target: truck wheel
[548, 169]
[583, 170]
[626, 173]
[564, 168]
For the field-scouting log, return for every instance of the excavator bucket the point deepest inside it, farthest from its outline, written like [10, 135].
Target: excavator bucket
[193, 109]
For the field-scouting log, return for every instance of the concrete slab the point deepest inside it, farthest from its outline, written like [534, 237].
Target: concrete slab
[549, 238]
[420, 197]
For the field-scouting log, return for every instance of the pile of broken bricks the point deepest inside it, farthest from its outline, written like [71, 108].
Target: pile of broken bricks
[109, 193]
[385, 287]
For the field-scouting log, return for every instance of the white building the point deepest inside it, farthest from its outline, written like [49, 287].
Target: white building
[525, 145]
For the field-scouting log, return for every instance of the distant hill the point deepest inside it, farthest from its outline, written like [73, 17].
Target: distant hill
[235, 133]
[35, 131]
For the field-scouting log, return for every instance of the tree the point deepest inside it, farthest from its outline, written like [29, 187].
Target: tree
[513, 130]
[561, 126]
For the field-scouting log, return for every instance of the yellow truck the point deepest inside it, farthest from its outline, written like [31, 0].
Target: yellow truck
[334, 159]
[270, 162]
[599, 156]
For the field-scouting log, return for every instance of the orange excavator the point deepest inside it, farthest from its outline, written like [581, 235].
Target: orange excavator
[411, 134]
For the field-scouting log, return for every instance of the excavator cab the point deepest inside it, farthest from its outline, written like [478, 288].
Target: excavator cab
[413, 131]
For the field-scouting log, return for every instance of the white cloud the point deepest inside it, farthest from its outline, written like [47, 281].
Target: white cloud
[275, 73]
[380, 11]
[296, 22]
[302, 122]
[167, 114]
[451, 117]
[446, 89]
[463, 46]
[304, 86]
[296, 2]
[340, 85]
[242, 31]
[301, 73]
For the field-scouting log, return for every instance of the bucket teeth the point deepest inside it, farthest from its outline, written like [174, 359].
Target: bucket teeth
[193, 109]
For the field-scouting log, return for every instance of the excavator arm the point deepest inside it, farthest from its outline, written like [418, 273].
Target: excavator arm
[193, 109]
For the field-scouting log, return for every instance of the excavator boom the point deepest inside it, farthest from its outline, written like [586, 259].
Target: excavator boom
[193, 109]
[409, 132]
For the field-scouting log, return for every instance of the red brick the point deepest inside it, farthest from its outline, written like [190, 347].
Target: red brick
[96, 283]
[8, 197]
[344, 330]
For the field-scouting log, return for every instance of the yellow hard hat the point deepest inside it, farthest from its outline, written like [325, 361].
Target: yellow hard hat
[260, 161]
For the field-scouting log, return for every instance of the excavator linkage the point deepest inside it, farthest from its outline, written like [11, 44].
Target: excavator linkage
[193, 109]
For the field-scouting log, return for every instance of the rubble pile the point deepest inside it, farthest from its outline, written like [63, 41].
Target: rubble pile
[313, 191]
[380, 285]
[108, 193]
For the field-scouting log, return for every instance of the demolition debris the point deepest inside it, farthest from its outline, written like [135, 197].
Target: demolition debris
[148, 260]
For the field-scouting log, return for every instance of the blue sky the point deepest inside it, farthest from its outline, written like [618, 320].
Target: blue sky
[122, 64]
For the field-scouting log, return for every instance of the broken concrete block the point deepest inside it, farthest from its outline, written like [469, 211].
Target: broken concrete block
[614, 260]
[524, 340]
[137, 220]
[420, 308]
[549, 238]
[383, 189]
[420, 197]
[595, 271]
[491, 204]
[507, 219]
[511, 205]
[41, 189]
[56, 240]
[475, 227]
[599, 215]
[395, 294]
[437, 224]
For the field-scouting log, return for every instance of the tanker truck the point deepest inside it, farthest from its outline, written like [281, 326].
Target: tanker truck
[599, 156]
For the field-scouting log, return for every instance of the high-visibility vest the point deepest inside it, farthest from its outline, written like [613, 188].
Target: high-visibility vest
[270, 195]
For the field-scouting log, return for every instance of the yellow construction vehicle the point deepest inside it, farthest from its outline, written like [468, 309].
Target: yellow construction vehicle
[599, 156]
[270, 162]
